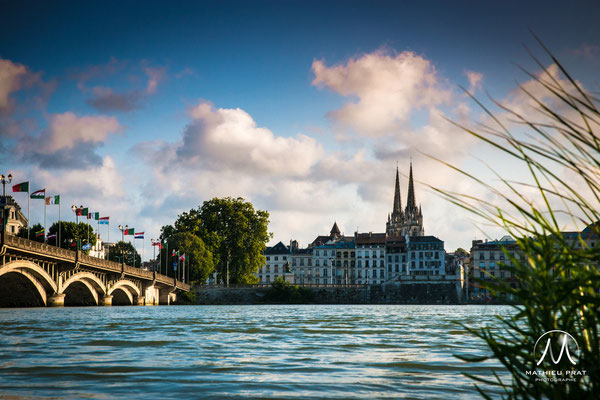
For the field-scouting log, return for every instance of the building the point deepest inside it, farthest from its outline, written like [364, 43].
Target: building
[16, 220]
[410, 221]
[276, 263]
[370, 257]
[301, 264]
[426, 256]
[487, 259]
[397, 256]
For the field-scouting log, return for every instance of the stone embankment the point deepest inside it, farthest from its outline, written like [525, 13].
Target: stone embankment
[393, 293]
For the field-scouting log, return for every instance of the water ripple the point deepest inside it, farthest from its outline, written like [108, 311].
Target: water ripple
[304, 351]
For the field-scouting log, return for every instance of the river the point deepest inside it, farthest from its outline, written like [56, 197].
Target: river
[265, 351]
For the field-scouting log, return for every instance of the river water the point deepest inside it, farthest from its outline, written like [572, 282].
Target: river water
[266, 351]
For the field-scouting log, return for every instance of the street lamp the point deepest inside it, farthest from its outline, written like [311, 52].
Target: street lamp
[4, 181]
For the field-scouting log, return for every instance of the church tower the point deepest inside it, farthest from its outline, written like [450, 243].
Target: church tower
[410, 221]
[412, 224]
[394, 222]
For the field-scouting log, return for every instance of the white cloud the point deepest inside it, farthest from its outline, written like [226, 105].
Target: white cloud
[11, 75]
[475, 79]
[230, 139]
[66, 130]
[389, 88]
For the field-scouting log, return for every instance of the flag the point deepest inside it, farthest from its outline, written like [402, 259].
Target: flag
[139, 235]
[182, 257]
[96, 216]
[86, 246]
[90, 215]
[21, 187]
[84, 211]
[129, 231]
[39, 194]
[52, 200]
[173, 255]
[104, 220]
[79, 211]
[40, 233]
[73, 244]
[51, 236]
[159, 244]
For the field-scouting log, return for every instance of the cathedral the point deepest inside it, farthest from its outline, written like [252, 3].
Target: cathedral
[410, 221]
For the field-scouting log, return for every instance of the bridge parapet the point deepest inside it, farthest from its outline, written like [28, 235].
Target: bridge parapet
[39, 248]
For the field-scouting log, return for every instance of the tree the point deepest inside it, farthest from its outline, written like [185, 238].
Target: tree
[232, 230]
[35, 228]
[198, 258]
[72, 234]
[121, 250]
[460, 252]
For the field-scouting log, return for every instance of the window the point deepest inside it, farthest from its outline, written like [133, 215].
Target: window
[492, 265]
[276, 258]
[268, 258]
[481, 265]
[317, 253]
[437, 255]
[396, 258]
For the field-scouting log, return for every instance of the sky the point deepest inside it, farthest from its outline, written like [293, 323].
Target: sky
[142, 111]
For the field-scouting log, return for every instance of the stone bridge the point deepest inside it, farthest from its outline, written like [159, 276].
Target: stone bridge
[36, 274]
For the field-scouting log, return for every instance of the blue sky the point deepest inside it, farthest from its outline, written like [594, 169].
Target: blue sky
[138, 72]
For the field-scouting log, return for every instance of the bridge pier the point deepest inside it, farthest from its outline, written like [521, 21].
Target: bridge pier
[56, 300]
[138, 300]
[105, 301]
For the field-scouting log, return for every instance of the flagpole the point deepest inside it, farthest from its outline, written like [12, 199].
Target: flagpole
[167, 256]
[59, 224]
[45, 217]
[28, 224]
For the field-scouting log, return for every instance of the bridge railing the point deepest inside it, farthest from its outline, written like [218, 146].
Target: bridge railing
[37, 247]
[46, 250]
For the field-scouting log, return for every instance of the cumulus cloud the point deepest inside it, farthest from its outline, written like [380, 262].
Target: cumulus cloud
[69, 141]
[389, 88]
[475, 79]
[10, 81]
[221, 138]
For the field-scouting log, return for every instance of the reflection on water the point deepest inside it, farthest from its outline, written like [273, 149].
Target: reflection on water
[304, 351]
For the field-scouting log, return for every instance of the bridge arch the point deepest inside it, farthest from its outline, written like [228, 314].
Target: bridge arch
[83, 288]
[124, 292]
[25, 283]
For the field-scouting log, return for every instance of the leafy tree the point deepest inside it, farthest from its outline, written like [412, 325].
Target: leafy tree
[71, 233]
[121, 250]
[35, 228]
[198, 258]
[460, 252]
[233, 231]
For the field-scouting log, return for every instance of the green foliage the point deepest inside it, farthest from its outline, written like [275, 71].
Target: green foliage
[198, 258]
[232, 231]
[71, 233]
[32, 230]
[188, 297]
[285, 293]
[461, 252]
[557, 283]
[121, 250]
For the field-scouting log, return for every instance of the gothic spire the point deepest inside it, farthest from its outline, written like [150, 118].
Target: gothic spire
[397, 198]
[410, 201]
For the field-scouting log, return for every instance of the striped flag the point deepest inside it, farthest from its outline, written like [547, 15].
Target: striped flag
[129, 231]
[51, 236]
[52, 200]
[104, 220]
[38, 194]
[40, 233]
[182, 257]
[138, 235]
[21, 187]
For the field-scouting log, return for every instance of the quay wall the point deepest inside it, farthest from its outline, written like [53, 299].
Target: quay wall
[393, 293]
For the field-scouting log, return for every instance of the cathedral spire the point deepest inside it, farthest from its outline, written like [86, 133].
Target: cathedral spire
[397, 198]
[410, 201]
